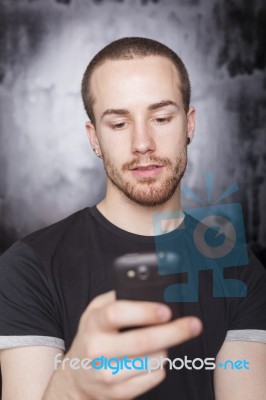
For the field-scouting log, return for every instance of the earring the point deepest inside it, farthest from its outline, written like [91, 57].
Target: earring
[188, 140]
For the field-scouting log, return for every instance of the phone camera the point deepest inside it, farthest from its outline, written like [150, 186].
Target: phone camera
[143, 272]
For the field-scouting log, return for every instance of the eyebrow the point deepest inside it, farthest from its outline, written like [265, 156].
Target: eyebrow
[116, 111]
[163, 103]
[152, 107]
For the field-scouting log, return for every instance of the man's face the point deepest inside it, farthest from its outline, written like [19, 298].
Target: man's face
[141, 127]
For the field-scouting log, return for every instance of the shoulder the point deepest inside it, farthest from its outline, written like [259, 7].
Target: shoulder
[36, 250]
[60, 229]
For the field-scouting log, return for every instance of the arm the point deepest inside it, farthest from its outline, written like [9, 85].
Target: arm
[26, 371]
[244, 383]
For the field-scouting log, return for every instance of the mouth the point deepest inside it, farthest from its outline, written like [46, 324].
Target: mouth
[147, 171]
[145, 167]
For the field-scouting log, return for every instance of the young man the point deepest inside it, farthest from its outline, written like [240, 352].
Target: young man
[56, 284]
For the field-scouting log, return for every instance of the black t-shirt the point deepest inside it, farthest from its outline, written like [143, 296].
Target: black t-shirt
[49, 278]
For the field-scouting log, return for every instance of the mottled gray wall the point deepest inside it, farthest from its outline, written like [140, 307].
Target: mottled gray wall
[47, 169]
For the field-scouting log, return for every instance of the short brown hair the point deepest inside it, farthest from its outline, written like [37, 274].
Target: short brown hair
[128, 48]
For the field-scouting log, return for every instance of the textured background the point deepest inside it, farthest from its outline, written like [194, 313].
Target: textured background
[47, 169]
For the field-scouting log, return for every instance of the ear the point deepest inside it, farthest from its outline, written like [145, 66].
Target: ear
[191, 122]
[91, 132]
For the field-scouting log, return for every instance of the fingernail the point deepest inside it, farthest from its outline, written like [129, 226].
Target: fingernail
[195, 326]
[164, 313]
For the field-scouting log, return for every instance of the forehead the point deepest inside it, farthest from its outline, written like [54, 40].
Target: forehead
[152, 76]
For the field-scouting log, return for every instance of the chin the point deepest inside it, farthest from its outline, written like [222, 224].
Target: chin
[152, 196]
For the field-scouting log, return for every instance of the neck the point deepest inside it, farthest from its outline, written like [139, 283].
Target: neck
[134, 218]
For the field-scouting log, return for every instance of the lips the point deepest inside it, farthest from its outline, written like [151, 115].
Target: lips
[145, 167]
[147, 171]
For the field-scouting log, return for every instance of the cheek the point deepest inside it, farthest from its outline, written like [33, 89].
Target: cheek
[173, 144]
[113, 155]
[114, 146]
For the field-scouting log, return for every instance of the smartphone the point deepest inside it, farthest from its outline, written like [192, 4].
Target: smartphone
[137, 277]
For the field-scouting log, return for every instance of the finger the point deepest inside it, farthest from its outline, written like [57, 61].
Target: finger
[135, 386]
[102, 300]
[153, 339]
[127, 313]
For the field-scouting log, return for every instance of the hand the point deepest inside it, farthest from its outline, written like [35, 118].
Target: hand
[98, 335]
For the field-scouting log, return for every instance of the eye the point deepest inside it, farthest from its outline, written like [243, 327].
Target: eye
[163, 120]
[118, 126]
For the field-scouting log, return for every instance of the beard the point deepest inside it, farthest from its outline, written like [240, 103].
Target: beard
[149, 192]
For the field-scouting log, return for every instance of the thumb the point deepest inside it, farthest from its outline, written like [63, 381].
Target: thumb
[102, 300]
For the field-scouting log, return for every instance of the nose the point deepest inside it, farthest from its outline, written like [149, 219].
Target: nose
[142, 139]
